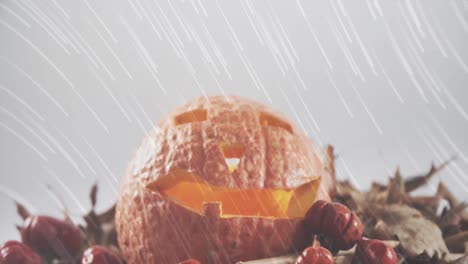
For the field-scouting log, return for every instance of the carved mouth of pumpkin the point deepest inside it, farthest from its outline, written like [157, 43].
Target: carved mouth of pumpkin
[192, 192]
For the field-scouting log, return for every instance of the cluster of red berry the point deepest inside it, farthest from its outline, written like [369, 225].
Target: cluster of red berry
[341, 229]
[48, 237]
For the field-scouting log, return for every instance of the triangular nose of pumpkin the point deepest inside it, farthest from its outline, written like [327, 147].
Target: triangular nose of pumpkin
[232, 163]
[232, 154]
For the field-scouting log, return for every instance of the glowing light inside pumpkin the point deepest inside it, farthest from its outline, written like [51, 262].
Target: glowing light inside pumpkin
[232, 154]
[270, 120]
[192, 192]
[196, 115]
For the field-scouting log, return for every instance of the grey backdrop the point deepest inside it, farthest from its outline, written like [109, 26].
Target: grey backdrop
[385, 82]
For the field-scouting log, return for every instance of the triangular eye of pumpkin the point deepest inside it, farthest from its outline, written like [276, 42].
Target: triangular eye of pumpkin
[197, 115]
[232, 154]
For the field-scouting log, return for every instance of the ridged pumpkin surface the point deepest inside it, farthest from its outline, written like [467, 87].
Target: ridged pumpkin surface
[196, 138]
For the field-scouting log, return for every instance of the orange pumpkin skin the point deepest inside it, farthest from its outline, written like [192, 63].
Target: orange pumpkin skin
[154, 229]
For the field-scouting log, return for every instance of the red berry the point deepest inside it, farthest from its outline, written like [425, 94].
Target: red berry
[51, 236]
[335, 221]
[371, 251]
[190, 261]
[14, 252]
[100, 255]
[315, 255]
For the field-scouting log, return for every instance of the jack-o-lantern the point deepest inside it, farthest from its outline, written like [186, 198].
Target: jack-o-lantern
[221, 180]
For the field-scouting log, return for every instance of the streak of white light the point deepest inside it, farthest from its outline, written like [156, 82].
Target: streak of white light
[459, 15]
[134, 8]
[207, 56]
[24, 140]
[438, 155]
[92, 111]
[450, 46]
[158, 33]
[252, 24]
[362, 46]
[174, 45]
[27, 127]
[374, 121]
[280, 37]
[80, 41]
[138, 121]
[172, 31]
[180, 20]
[343, 101]
[45, 22]
[202, 8]
[312, 31]
[448, 139]
[13, 13]
[253, 74]
[346, 52]
[64, 152]
[78, 152]
[340, 21]
[60, 8]
[371, 10]
[351, 176]
[285, 36]
[68, 37]
[389, 80]
[432, 33]
[10, 193]
[106, 167]
[414, 17]
[309, 113]
[48, 189]
[111, 94]
[231, 29]
[140, 107]
[427, 76]
[411, 158]
[21, 101]
[111, 50]
[150, 21]
[67, 190]
[457, 105]
[38, 51]
[44, 91]
[378, 7]
[58, 146]
[405, 63]
[218, 53]
[144, 55]
[274, 50]
[413, 34]
[442, 149]
[293, 109]
[106, 28]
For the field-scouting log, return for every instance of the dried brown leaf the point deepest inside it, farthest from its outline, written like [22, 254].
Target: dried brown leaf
[414, 182]
[416, 233]
[396, 189]
[93, 194]
[461, 260]
[22, 211]
[456, 243]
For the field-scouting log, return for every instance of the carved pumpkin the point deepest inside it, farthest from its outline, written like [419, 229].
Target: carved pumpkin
[221, 180]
